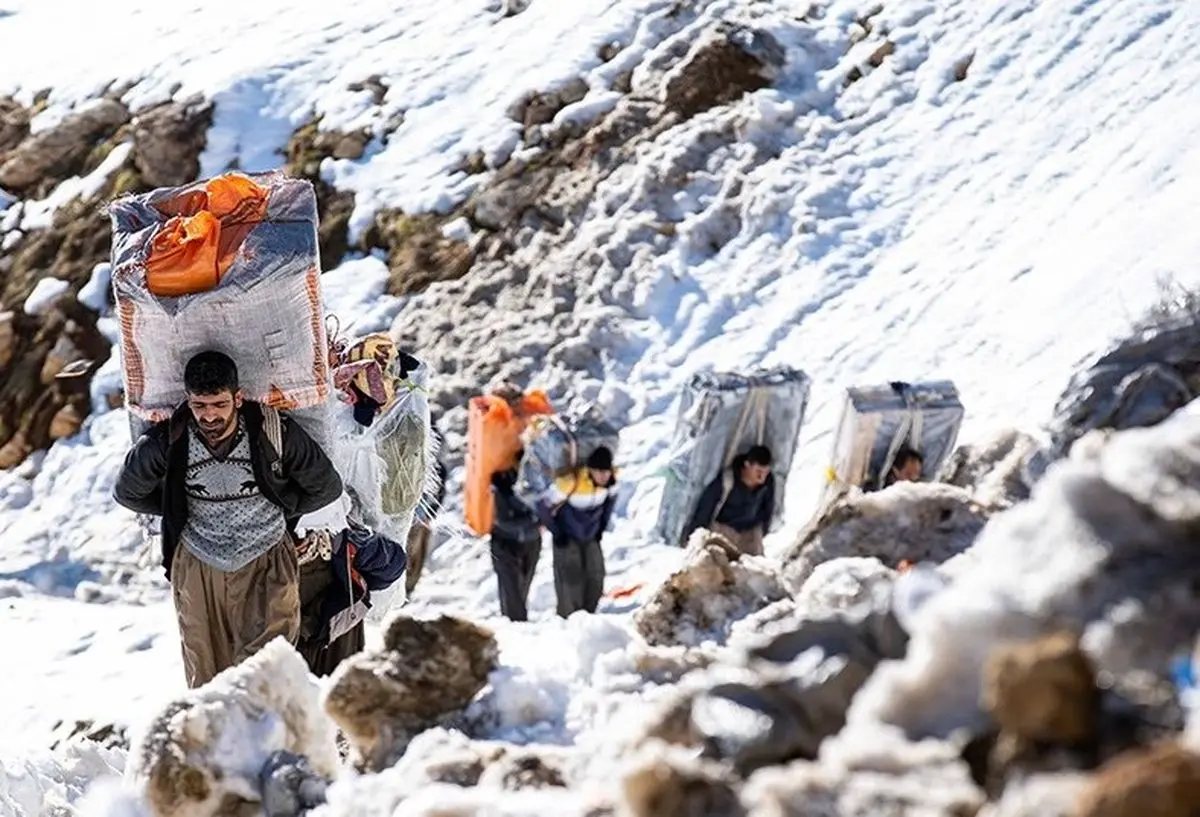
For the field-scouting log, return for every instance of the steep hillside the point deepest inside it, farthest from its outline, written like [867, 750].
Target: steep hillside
[599, 198]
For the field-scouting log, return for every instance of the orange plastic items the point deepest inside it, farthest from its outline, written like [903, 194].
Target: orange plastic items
[494, 429]
[199, 243]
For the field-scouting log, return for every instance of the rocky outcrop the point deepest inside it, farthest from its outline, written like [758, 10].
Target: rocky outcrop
[39, 162]
[999, 471]
[716, 586]
[425, 671]
[1162, 781]
[307, 149]
[727, 64]
[168, 140]
[907, 522]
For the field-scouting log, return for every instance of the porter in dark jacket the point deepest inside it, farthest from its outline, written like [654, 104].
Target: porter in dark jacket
[577, 511]
[516, 546]
[739, 503]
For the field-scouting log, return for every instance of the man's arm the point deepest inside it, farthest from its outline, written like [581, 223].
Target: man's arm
[706, 507]
[140, 484]
[609, 502]
[316, 482]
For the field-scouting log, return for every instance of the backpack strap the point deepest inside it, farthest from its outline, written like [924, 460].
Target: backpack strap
[273, 428]
[726, 489]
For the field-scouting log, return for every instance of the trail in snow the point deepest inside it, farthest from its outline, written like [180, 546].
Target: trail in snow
[991, 231]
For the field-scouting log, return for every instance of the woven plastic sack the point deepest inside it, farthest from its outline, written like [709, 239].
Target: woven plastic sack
[558, 444]
[721, 415]
[877, 420]
[251, 290]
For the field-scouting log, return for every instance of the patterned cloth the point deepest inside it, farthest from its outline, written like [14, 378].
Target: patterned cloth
[230, 523]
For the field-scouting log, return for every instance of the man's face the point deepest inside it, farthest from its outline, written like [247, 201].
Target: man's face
[755, 475]
[216, 414]
[600, 478]
[910, 471]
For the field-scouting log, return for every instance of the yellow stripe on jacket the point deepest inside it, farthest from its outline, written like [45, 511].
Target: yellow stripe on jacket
[578, 490]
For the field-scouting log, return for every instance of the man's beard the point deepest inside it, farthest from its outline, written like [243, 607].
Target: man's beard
[216, 431]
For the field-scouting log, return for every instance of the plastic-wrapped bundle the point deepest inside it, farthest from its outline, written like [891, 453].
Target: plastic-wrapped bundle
[878, 420]
[558, 444]
[229, 264]
[721, 415]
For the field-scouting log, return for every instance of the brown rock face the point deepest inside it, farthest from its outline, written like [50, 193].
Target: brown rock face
[425, 671]
[722, 70]
[42, 160]
[1163, 781]
[168, 141]
[1043, 690]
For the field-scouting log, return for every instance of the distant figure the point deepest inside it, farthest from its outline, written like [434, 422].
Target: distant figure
[907, 467]
[230, 479]
[516, 545]
[739, 503]
[576, 510]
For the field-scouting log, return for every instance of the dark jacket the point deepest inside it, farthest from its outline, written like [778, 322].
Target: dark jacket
[513, 520]
[152, 479]
[570, 522]
[362, 561]
[744, 508]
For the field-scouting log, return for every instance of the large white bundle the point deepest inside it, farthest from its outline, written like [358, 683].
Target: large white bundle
[265, 311]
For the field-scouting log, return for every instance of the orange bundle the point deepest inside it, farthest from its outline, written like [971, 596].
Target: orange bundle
[494, 427]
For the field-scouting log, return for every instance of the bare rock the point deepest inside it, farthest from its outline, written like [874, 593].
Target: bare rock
[1163, 781]
[907, 522]
[666, 784]
[8, 338]
[1043, 690]
[418, 253]
[716, 586]
[48, 157]
[426, 671]
[108, 735]
[523, 769]
[722, 68]
[168, 140]
[14, 123]
[999, 471]
[540, 107]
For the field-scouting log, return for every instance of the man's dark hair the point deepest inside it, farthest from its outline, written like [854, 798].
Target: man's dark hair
[210, 373]
[759, 455]
[905, 454]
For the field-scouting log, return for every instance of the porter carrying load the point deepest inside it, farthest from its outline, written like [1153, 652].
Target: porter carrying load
[878, 422]
[557, 445]
[722, 415]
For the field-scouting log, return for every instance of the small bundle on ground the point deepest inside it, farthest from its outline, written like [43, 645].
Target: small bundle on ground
[559, 444]
[879, 421]
[721, 415]
[495, 423]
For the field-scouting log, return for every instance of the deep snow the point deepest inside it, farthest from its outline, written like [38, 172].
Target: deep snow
[991, 231]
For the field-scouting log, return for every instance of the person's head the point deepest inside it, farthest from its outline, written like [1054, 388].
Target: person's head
[908, 465]
[756, 467]
[213, 394]
[600, 466]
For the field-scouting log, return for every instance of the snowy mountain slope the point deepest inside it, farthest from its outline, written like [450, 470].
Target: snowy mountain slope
[992, 230]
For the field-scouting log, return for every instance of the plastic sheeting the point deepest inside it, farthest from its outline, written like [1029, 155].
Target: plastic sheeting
[494, 426]
[558, 444]
[720, 416]
[877, 420]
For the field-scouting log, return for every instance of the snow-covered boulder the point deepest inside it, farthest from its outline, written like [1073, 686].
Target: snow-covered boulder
[206, 751]
[426, 671]
[716, 586]
[909, 521]
[1105, 546]
[999, 470]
